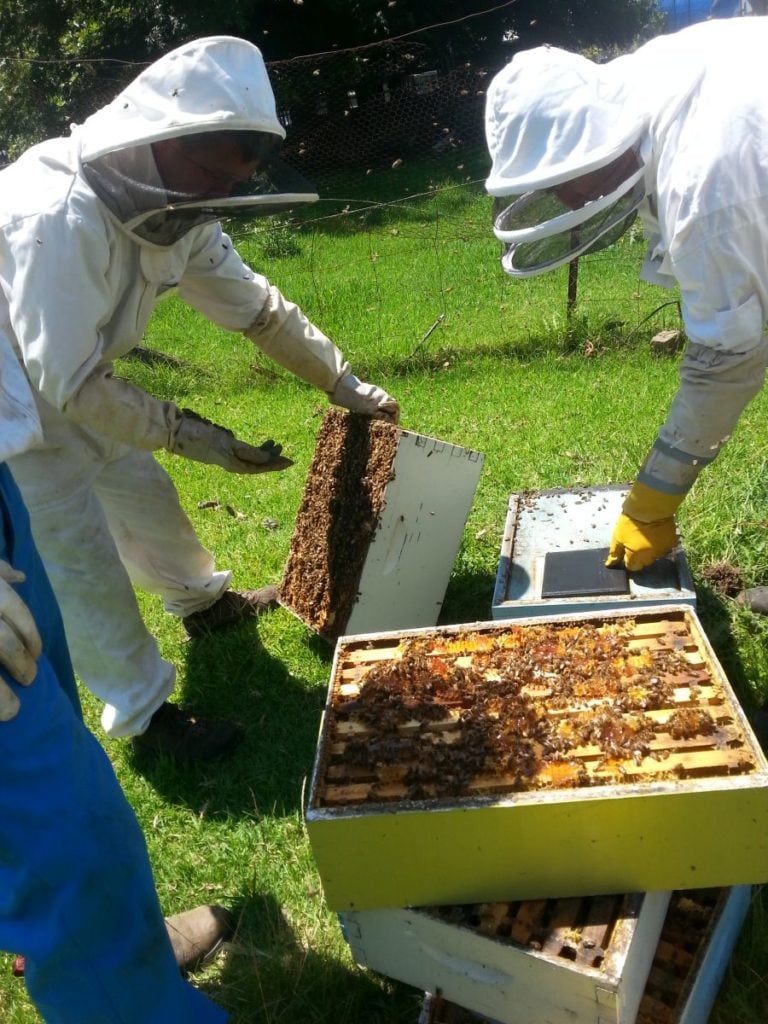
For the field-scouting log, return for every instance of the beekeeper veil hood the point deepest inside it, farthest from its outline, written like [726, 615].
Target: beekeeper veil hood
[551, 118]
[208, 97]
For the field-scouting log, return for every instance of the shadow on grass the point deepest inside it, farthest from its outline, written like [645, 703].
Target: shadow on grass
[715, 613]
[519, 350]
[230, 676]
[322, 649]
[744, 994]
[153, 357]
[468, 598]
[170, 378]
[271, 974]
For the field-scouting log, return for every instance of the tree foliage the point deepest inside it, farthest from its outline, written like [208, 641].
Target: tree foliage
[61, 59]
[463, 29]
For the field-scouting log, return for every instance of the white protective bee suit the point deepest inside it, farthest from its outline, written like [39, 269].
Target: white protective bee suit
[691, 105]
[89, 240]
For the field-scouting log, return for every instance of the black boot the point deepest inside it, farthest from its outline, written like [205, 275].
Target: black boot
[197, 935]
[180, 734]
[756, 599]
[233, 607]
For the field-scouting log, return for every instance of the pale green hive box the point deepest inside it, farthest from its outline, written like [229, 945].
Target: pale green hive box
[551, 757]
[698, 936]
[570, 961]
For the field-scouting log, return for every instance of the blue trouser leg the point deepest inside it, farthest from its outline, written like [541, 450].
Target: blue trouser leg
[77, 898]
[18, 548]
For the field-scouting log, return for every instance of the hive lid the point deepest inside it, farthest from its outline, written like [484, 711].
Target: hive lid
[551, 558]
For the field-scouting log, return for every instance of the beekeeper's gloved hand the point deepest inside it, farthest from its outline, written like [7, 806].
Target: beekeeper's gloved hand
[20, 643]
[351, 393]
[199, 439]
[646, 528]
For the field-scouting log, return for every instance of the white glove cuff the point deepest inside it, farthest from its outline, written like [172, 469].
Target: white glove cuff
[285, 334]
[120, 410]
[351, 393]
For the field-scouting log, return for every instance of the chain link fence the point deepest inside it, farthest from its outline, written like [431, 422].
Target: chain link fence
[390, 142]
[351, 114]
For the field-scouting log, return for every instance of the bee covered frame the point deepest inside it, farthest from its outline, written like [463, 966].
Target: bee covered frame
[379, 526]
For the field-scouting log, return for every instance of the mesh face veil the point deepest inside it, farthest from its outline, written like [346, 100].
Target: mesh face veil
[565, 137]
[130, 185]
[541, 232]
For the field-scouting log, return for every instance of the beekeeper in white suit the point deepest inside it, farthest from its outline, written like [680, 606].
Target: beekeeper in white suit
[678, 133]
[93, 229]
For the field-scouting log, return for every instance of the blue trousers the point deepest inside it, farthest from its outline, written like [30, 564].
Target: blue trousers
[77, 897]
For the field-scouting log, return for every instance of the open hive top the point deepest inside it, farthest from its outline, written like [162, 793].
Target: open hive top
[589, 931]
[537, 705]
[687, 928]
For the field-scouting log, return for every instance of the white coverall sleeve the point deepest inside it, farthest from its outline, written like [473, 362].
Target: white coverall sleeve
[217, 283]
[724, 363]
[220, 285]
[285, 334]
[715, 387]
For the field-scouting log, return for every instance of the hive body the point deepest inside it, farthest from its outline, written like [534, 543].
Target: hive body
[697, 938]
[544, 758]
[570, 961]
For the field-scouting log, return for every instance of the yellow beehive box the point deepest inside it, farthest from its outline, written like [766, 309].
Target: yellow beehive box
[536, 758]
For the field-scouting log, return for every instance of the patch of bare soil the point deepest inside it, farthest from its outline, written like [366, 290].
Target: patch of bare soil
[338, 516]
[723, 578]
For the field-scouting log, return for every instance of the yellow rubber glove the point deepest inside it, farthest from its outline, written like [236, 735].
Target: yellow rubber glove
[646, 528]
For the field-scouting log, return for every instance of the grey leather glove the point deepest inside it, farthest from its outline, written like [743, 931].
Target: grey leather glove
[199, 439]
[351, 393]
[20, 643]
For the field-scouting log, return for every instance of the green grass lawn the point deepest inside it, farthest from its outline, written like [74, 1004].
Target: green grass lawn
[550, 401]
